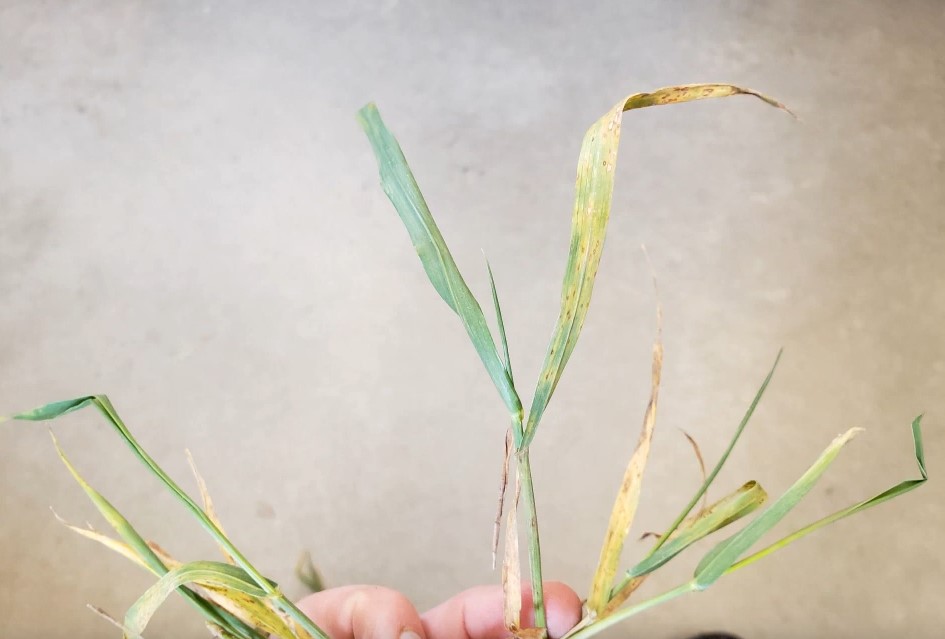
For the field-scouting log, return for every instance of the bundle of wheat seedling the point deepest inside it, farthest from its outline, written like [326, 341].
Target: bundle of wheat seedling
[238, 602]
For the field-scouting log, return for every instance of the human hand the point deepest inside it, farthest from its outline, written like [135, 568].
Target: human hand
[375, 612]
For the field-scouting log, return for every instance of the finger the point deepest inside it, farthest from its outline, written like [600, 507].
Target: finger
[477, 613]
[364, 612]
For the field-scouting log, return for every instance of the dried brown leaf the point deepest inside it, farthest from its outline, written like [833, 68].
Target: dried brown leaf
[695, 448]
[628, 497]
[503, 484]
[511, 567]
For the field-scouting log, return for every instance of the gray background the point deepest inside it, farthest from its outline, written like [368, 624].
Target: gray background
[191, 222]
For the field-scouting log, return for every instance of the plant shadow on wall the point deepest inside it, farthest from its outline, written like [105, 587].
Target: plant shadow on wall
[238, 602]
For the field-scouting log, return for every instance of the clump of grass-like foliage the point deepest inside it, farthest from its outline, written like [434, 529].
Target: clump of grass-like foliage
[238, 602]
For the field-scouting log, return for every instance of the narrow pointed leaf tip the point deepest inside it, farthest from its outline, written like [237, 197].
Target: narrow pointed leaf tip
[895, 491]
[718, 560]
[218, 598]
[594, 191]
[725, 455]
[628, 497]
[404, 193]
[135, 548]
[503, 338]
[54, 409]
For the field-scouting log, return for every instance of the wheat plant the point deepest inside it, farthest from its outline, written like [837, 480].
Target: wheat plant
[238, 602]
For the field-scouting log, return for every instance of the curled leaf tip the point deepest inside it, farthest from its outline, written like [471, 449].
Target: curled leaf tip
[593, 198]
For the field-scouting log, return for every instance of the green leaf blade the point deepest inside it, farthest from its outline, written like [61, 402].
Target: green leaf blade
[404, 193]
[718, 560]
[503, 338]
[105, 407]
[54, 409]
[896, 491]
[135, 542]
[725, 455]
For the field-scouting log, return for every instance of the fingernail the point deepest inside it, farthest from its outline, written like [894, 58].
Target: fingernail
[409, 634]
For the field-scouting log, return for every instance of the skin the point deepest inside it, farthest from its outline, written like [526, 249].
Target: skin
[374, 612]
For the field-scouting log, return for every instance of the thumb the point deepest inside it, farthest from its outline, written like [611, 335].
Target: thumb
[364, 612]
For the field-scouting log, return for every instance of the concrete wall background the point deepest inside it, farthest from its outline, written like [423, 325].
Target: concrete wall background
[191, 222]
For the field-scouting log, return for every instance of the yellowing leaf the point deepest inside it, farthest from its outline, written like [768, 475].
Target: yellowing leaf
[256, 612]
[112, 544]
[594, 191]
[628, 497]
[208, 503]
[201, 573]
[730, 508]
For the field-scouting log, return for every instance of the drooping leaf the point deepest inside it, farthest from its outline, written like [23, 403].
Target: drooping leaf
[137, 549]
[200, 573]
[401, 187]
[51, 410]
[718, 560]
[104, 405]
[594, 190]
[895, 491]
[215, 614]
